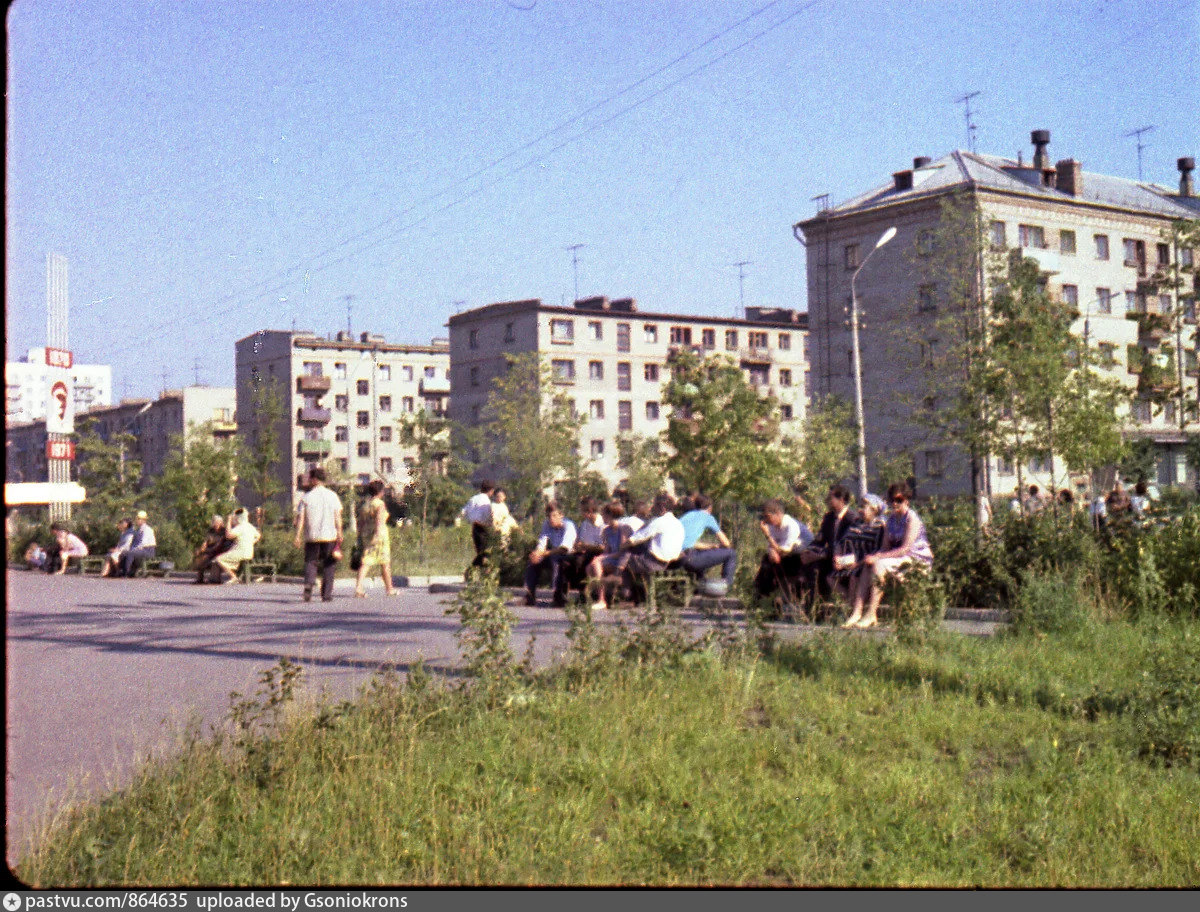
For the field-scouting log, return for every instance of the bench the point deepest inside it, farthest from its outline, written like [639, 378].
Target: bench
[92, 565]
[673, 582]
[154, 566]
[259, 571]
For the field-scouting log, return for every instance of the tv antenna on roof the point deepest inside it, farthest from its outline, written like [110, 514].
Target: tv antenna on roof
[575, 248]
[741, 268]
[1140, 145]
[965, 100]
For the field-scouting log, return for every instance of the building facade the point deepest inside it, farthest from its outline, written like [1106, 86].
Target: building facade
[1099, 242]
[26, 383]
[612, 361]
[344, 399]
[153, 424]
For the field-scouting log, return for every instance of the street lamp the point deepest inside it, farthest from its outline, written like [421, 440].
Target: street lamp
[858, 394]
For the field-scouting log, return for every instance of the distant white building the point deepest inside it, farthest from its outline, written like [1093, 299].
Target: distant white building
[26, 381]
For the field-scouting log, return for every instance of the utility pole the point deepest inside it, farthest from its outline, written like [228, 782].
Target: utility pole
[966, 101]
[349, 309]
[741, 268]
[575, 248]
[1140, 145]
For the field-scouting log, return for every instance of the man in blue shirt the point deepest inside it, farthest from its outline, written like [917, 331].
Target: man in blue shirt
[698, 557]
[553, 546]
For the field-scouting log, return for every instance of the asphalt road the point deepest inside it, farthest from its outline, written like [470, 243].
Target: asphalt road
[103, 673]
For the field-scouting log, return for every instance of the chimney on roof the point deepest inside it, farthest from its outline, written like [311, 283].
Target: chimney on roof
[1070, 176]
[921, 161]
[903, 179]
[1186, 166]
[1041, 158]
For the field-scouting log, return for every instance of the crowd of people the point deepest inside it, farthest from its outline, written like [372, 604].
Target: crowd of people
[614, 552]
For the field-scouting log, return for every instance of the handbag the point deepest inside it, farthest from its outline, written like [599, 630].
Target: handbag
[356, 556]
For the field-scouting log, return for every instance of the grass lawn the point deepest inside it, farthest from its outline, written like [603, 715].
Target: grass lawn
[998, 762]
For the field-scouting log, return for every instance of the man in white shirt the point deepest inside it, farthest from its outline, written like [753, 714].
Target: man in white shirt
[589, 542]
[656, 545]
[478, 512]
[319, 533]
[781, 565]
[553, 546]
[143, 547]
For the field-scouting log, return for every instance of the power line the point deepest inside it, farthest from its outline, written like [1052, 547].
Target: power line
[237, 299]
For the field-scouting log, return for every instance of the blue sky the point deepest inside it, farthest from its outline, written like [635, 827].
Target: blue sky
[211, 169]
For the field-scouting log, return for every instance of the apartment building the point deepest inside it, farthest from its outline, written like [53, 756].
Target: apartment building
[26, 385]
[612, 361]
[152, 423]
[1099, 243]
[345, 397]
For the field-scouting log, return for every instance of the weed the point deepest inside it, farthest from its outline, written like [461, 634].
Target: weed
[1166, 711]
[1048, 604]
[485, 637]
[918, 602]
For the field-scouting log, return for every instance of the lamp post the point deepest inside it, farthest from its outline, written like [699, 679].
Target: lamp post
[858, 394]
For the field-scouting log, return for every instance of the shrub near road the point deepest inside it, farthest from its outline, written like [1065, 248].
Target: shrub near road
[1017, 760]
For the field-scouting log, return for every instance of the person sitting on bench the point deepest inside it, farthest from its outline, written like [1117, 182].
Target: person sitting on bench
[67, 545]
[817, 558]
[781, 565]
[215, 544]
[242, 537]
[653, 547]
[552, 548]
[698, 556]
[112, 560]
[142, 548]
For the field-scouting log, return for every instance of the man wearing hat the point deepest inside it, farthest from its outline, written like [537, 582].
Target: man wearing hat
[143, 547]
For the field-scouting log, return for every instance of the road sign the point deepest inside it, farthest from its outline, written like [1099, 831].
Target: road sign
[60, 449]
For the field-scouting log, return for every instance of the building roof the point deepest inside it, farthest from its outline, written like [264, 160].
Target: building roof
[787, 319]
[1004, 175]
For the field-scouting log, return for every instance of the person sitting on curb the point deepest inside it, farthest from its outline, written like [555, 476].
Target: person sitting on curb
[864, 537]
[242, 537]
[699, 556]
[553, 546]
[653, 547]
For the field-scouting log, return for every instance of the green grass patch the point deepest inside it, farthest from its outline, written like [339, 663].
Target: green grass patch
[842, 761]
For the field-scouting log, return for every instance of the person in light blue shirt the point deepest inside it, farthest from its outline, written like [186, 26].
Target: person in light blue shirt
[697, 556]
[552, 548]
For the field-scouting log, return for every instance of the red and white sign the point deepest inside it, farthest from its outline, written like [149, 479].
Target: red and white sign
[60, 449]
[58, 357]
[60, 402]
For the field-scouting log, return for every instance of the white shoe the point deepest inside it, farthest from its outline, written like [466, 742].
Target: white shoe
[599, 606]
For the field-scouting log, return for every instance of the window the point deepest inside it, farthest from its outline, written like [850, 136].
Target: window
[597, 449]
[758, 374]
[998, 234]
[385, 466]
[1070, 295]
[385, 403]
[651, 411]
[339, 370]
[785, 341]
[1108, 354]
[430, 373]
[1169, 412]
[1164, 303]
[933, 463]
[562, 371]
[1135, 254]
[341, 433]
[1164, 255]
[1189, 309]
[596, 409]
[385, 434]
[625, 415]
[509, 335]
[1066, 243]
[475, 375]
[925, 302]
[344, 464]
[785, 377]
[1134, 302]
[650, 332]
[408, 405]
[406, 372]
[385, 372]
[624, 376]
[363, 387]
[313, 368]
[928, 353]
[785, 412]
[1040, 464]
[1004, 466]
[473, 339]
[708, 338]
[925, 242]
[363, 419]
[1101, 246]
[595, 330]
[731, 340]
[562, 331]
[757, 339]
[681, 335]
[1031, 236]
[1104, 300]
[364, 448]
[650, 372]
[595, 370]
[341, 402]
[851, 256]
[622, 337]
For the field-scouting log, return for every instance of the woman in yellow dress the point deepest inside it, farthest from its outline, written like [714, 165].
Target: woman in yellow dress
[374, 540]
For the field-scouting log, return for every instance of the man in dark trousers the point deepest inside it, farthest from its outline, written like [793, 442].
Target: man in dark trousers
[817, 558]
[478, 512]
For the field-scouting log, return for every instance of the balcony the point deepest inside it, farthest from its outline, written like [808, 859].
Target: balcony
[1152, 327]
[1049, 261]
[312, 383]
[313, 417]
[435, 386]
[313, 448]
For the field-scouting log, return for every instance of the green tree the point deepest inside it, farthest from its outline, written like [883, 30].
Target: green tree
[259, 457]
[723, 434]
[530, 433]
[197, 481]
[437, 474]
[824, 454]
[110, 476]
[1168, 332]
[642, 461]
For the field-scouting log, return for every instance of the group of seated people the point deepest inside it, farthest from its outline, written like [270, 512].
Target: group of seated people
[135, 543]
[228, 542]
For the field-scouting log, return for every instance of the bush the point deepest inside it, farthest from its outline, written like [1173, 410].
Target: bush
[1048, 603]
[917, 600]
[1166, 712]
[1177, 555]
[278, 545]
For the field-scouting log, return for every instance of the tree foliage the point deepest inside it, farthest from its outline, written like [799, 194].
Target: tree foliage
[644, 465]
[197, 481]
[111, 478]
[259, 456]
[824, 454]
[438, 473]
[723, 434]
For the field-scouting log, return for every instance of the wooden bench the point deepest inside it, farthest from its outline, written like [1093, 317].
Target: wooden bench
[670, 582]
[92, 565]
[154, 566]
[262, 571]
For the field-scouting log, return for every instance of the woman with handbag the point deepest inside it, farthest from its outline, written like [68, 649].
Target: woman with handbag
[374, 541]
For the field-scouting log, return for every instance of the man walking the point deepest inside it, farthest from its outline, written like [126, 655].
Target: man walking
[478, 513]
[319, 533]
